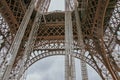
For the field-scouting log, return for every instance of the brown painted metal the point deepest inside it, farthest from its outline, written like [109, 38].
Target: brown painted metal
[95, 28]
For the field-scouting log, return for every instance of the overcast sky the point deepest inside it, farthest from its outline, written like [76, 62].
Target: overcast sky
[52, 68]
[56, 5]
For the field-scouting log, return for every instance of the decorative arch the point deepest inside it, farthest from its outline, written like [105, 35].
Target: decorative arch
[44, 50]
[60, 52]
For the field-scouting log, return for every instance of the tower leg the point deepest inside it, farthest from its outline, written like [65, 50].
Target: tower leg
[84, 70]
[69, 67]
[81, 43]
[29, 46]
[69, 59]
[6, 68]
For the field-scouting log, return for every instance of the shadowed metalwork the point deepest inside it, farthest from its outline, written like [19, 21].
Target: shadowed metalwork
[28, 33]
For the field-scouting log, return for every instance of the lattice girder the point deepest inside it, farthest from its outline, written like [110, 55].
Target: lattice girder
[51, 48]
[8, 16]
[5, 39]
[100, 29]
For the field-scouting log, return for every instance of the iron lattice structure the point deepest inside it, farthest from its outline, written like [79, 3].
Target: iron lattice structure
[29, 33]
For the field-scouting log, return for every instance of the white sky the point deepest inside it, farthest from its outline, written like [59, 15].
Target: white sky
[52, 68]
[56, 5]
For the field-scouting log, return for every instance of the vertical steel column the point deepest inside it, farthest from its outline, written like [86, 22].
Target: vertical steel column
[81, 43]
[30, 43]
[32, 37]
[69, 59]
[6, 69]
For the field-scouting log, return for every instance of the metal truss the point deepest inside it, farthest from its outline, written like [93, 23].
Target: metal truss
[5, 40]
[100, 27]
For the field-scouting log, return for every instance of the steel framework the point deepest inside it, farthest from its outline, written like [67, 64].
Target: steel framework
[29, 33]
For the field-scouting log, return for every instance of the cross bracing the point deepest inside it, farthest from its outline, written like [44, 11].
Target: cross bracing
[26, 26]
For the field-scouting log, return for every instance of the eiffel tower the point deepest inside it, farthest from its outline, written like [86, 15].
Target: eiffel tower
[88, 30]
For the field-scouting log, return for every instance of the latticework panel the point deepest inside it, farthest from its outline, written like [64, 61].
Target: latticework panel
[100, 29]
[112, 37]
[17, 9]
[106, 14]
[8, 16]
[52, 27]
[5, 39]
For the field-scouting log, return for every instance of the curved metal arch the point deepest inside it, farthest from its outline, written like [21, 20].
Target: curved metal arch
[111, 68]
[61, 52]
[112, 28]
[58, 50]
[100, 22]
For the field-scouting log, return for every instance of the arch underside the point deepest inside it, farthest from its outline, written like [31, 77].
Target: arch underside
[53, 48]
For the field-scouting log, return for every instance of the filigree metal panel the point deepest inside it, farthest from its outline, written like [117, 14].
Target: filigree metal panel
[100, 22]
